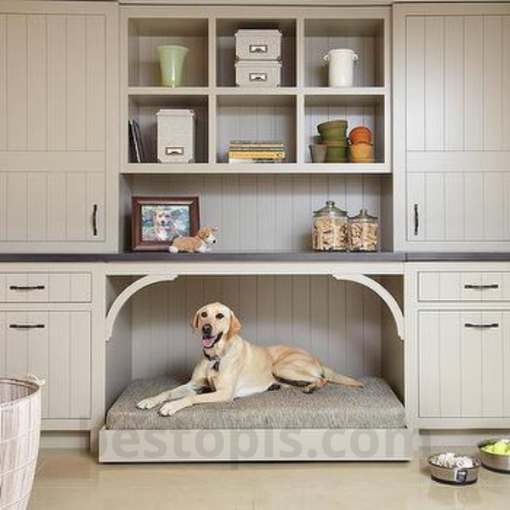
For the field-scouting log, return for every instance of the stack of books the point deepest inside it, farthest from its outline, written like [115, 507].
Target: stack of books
[246, 151]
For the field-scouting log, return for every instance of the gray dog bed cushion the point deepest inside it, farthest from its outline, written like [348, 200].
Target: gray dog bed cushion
[337, 407]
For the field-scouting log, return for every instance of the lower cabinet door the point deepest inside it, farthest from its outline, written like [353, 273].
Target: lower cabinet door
[464, 364]
[55, 346]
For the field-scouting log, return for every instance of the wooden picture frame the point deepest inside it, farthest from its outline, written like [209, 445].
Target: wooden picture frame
[156, 221]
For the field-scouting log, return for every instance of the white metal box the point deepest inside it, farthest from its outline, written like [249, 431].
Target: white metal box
[258, 74]
[176, 136]
[258, 44]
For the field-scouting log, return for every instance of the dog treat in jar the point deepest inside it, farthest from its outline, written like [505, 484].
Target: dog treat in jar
[364, 232]
[330, 228]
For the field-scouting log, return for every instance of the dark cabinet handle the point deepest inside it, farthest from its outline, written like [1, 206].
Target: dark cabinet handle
[481, 287]
[94, 220]
[27, 287]
[416, 220]
[27, 326]
[481, 326]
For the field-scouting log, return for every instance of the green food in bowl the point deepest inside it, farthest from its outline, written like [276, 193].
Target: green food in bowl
[499, 448]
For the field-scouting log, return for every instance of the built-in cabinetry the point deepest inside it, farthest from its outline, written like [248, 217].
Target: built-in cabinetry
[452, 130]
[58, 126]
[51, 326]
[458, 329]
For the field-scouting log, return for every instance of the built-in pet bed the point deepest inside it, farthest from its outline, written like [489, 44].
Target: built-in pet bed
[331, 407]
[334, 423]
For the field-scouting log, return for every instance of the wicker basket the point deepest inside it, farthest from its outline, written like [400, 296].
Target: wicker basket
[20, 425]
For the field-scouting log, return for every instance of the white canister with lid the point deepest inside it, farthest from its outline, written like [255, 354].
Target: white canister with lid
[341, 67]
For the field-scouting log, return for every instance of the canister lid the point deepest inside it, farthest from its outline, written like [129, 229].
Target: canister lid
[330, 210]
[364, 216]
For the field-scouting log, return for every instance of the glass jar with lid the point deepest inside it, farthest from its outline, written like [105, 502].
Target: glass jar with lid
[363, 232]
[330, 228]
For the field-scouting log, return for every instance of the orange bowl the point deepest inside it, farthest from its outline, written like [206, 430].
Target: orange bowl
[360, 134]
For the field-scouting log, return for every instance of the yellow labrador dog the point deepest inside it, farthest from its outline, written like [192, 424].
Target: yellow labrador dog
[233, 367]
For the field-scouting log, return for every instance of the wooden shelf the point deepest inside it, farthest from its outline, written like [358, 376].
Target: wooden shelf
[168, 91]
[254, 168]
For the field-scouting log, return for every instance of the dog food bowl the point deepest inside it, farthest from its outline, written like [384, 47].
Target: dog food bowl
[453, 469]
[495, 454]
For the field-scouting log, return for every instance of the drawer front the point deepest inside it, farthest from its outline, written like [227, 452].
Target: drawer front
[259, 75]
[463, 286]
[55, 346]
[464, 364]
[45, 287]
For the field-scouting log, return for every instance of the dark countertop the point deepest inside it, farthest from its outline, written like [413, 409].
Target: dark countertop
[258, 256]
[254, 256]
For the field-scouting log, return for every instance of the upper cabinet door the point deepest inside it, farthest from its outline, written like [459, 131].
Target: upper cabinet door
[452, 127]
[58, 126]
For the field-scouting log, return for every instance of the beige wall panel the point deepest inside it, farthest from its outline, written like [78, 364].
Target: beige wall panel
[17, 83]
[57, 79]
[37, 79]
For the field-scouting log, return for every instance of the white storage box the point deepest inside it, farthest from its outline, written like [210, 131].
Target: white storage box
[258, 44]
[258, 74]
[176, 136]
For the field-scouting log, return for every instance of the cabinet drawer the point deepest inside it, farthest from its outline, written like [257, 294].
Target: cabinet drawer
[463, 286]
[57, 347]
[45, 287]
[464, 364]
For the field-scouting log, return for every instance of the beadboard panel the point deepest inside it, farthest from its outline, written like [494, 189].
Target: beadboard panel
[458, 207]
[51, 207]
[265, 212]
[52, 82]
[458, 69]
[59, 352]
[337, 321]
[462, 369]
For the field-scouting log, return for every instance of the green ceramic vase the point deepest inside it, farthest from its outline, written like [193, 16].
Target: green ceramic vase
[171, 59]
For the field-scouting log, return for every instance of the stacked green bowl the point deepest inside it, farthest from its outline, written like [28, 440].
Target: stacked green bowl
[334, 136]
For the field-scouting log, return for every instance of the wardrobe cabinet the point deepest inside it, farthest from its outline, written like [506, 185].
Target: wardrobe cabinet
[452, 127]
[58, 126]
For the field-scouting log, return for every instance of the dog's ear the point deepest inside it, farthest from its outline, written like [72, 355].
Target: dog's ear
[194, 322]
[235, 325]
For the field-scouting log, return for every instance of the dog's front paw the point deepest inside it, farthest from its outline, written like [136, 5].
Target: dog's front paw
[147, 403]
[170, 409]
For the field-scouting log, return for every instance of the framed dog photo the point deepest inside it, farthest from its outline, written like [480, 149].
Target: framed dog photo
[157, 221]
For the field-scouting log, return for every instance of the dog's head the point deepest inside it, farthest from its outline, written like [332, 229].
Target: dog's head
[218, 326]
[206, 235]
[163, 219]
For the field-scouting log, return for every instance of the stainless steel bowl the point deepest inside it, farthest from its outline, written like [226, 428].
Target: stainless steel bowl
[492, 461]
[454, 475]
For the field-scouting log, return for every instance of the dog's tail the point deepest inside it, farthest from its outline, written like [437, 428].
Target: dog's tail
[332, 377]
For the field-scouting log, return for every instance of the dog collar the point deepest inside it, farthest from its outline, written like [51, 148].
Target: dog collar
[215, 361]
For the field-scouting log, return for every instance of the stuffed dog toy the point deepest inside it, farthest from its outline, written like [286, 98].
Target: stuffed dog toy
[198, 244]
[232, 367]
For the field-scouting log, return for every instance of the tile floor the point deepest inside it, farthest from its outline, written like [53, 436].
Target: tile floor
[72, 480]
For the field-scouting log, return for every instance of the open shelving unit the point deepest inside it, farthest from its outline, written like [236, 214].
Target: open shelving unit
[289, 113]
